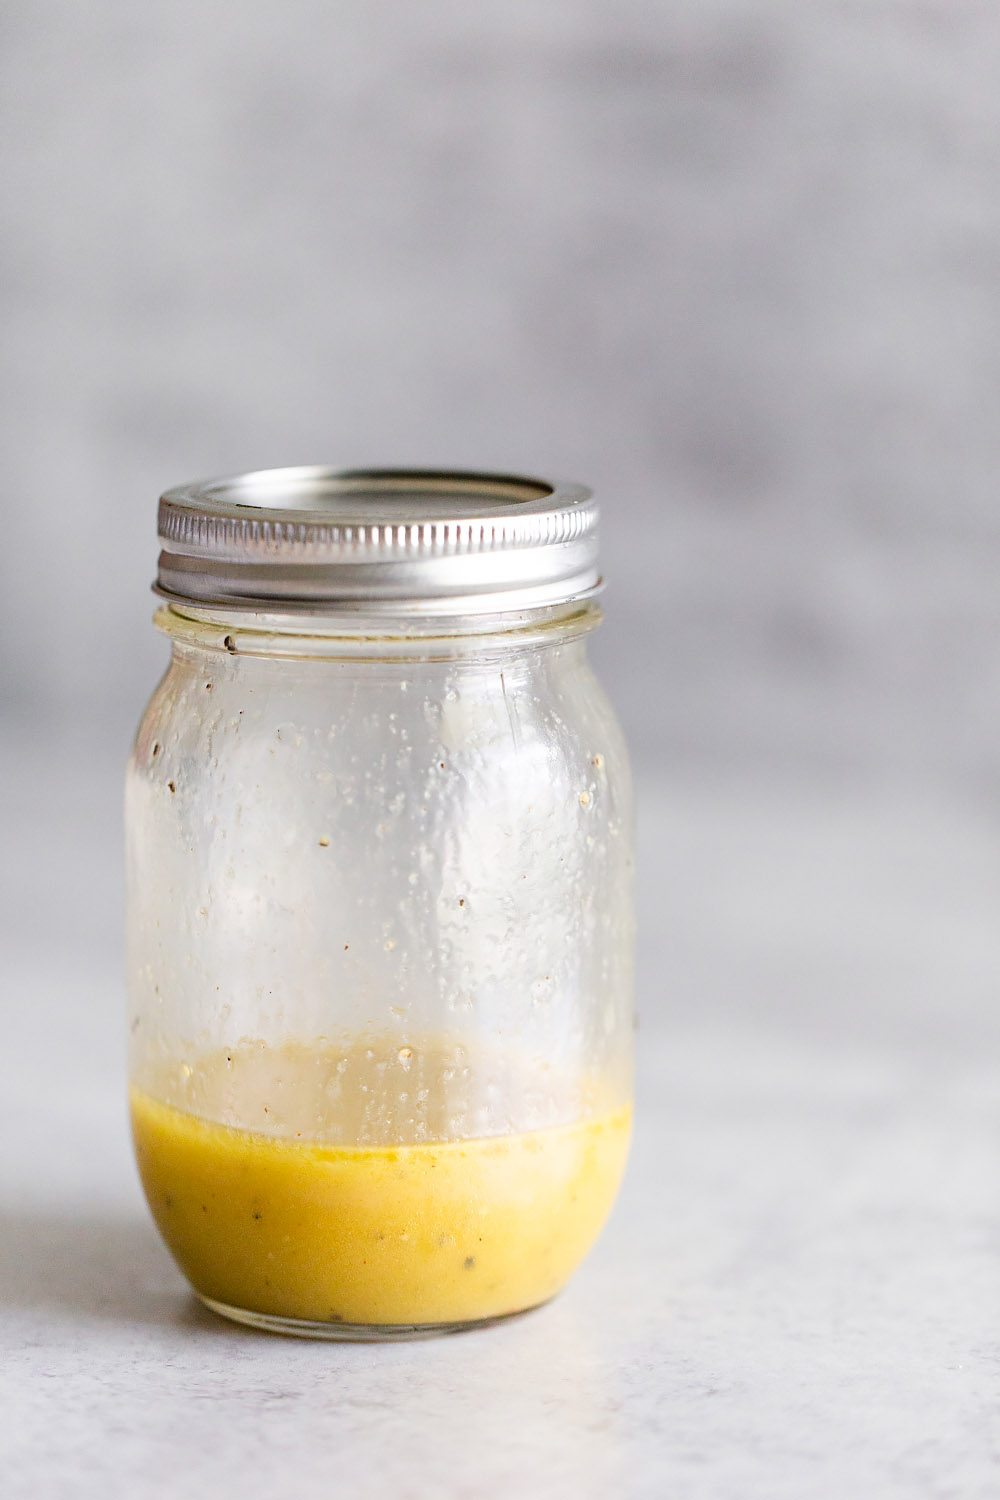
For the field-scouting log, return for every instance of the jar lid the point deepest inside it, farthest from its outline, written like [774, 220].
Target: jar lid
[407, 541]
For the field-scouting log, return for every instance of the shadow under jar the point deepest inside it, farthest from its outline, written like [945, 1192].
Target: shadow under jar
[380, 893]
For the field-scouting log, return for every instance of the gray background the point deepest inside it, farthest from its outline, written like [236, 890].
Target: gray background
[736, 265]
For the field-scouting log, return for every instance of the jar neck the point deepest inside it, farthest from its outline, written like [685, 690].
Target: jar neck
[371, 636]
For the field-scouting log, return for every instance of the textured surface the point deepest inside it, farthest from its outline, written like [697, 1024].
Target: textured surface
[798, 1294]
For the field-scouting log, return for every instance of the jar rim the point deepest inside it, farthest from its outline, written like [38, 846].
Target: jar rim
[243, 632]
[420, 542]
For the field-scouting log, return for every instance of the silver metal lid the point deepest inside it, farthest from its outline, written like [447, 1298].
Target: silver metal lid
[421, 542]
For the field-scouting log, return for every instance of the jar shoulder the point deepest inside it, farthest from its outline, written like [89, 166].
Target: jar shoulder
[518, 732]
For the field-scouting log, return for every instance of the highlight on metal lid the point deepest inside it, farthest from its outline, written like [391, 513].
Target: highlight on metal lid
[403, 541]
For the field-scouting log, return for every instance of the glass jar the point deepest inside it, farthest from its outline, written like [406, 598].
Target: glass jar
[380, 931]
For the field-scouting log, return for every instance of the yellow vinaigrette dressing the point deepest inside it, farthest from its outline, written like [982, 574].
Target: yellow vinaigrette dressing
[336, 1207]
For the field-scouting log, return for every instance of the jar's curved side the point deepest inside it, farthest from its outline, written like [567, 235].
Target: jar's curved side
[611, 875]
[380, 924]
[147, 902]
[435, 854]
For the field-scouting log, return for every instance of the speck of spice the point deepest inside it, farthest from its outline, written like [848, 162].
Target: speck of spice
[230, 645]
[469, 1263]
[173, 787]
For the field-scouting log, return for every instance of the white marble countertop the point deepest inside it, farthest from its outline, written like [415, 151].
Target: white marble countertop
[798, 1294]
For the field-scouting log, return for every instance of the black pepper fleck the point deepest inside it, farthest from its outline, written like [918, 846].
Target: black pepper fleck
[469, 1263]
[230, 645]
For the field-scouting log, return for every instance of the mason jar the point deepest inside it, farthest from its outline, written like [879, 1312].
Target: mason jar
[380, 900]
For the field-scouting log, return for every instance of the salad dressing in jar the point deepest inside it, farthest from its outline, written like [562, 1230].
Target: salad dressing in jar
[380, 922]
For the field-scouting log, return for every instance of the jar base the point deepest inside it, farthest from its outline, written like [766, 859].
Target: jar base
[352, 1333]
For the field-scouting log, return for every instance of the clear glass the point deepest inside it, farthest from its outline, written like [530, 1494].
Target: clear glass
[380, 939]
